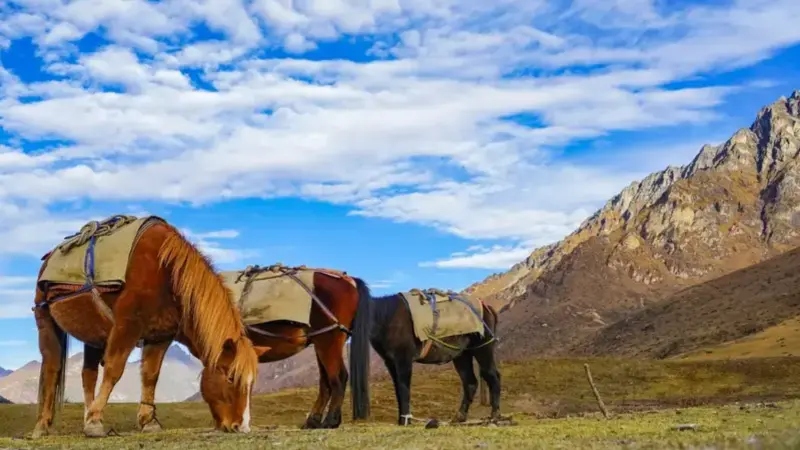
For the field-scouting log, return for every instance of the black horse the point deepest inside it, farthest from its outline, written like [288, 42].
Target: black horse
[394, 341]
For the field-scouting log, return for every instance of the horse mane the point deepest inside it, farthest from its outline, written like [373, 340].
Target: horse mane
[206, 306]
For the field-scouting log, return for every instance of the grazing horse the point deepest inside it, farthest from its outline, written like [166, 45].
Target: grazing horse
[339, 307]
[170, 288]
[394, 340]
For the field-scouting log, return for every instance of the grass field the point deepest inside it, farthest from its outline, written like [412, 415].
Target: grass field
[550, 400]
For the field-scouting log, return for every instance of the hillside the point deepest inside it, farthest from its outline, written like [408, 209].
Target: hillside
[732, 206]
[724, 309]
[776, 341]
[179, 379]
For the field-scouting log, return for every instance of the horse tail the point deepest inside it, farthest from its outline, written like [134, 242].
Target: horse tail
[360, 352]
[483, 387]
[495, 317]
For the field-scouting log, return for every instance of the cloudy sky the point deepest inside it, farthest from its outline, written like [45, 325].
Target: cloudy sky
[412, 143]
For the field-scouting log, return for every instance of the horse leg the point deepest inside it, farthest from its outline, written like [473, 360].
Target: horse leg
[403, 365]
[390, 367]
[91, 363]
[489, 372]
[469, 384]
[120, 343]
[53, 347]
[152, 358]
[314, 419]
[330, 353]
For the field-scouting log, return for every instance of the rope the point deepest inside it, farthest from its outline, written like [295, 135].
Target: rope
[95, 228]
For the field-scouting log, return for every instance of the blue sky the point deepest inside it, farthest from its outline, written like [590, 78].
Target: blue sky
[410, 143]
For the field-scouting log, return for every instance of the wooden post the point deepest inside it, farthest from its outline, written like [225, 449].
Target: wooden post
[600, 403]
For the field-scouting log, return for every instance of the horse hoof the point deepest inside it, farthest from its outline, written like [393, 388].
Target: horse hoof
[459, 418]
[39, 432]
[94, 429]
[432, 424]
[331, 425]
[152, 427]
[312, 423]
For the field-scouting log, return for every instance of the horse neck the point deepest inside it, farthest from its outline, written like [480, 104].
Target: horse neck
[208, 314]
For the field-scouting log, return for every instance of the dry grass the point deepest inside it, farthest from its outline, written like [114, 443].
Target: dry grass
[728, 427]
[781, 340]
[550, 399]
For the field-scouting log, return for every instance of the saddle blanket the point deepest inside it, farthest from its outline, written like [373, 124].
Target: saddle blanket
[272, 293]
[454, 317]
[115, 238]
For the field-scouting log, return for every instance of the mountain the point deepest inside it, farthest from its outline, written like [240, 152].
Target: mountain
[4, 372]
[4, 400]
[180, 378]
[755, 308]
[732, 206]
[299, 370]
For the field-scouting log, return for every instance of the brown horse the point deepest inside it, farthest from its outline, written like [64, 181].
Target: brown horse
[171, 289]
[340, 308]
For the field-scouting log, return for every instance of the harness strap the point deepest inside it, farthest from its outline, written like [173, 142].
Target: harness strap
[88, 286]
[320, 304]
[479, 315]
[306, 336]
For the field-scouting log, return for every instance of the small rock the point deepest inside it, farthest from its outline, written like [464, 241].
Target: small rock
[686, 427]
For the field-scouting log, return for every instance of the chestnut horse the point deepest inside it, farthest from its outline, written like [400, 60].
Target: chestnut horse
[394, 341]
[171, 288]
[339, 309]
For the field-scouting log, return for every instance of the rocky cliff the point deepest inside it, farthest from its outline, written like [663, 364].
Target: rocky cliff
[733, 205]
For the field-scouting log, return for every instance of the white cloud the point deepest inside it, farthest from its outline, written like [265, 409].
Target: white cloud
[206, 242]
[497, 257]
[421, 137]
[17, 293]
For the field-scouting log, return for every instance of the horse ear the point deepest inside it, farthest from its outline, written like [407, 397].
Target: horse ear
[229, 345]
[261, 350]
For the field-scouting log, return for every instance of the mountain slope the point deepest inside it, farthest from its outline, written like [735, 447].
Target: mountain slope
[180, 378]
[782, 340]
[734, 205]
[730, 307]
[4, 372]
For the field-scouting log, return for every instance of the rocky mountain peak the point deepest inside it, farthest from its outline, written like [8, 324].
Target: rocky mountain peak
[682, 221]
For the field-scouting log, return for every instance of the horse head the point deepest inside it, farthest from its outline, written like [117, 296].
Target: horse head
[228, 398]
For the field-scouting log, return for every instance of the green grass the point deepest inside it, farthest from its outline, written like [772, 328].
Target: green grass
[549, 398]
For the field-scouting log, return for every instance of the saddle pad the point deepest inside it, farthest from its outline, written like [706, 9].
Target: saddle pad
[455, 317]
[271, 296]
[111, 257]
